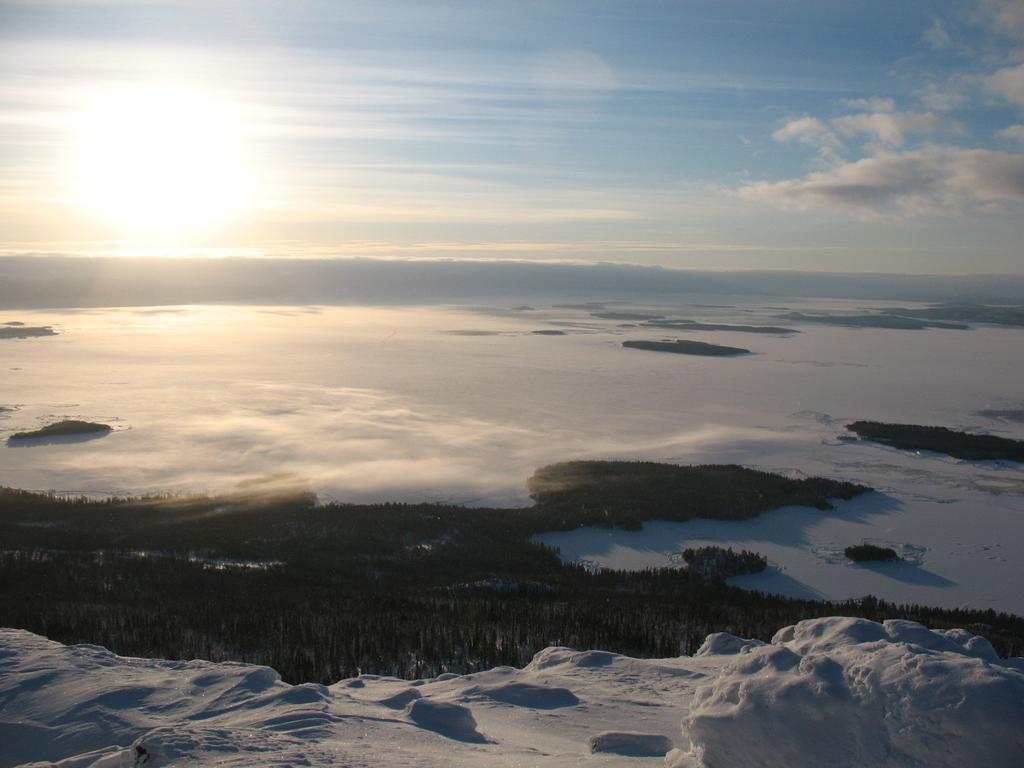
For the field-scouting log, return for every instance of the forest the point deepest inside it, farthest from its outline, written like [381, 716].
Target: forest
[960, 445]
[321, 592]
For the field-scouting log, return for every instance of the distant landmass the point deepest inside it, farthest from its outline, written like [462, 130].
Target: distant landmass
[1004, 414]
[960, 445]
[66, 428]
[871, 320]
[693, 325]
[687, 347]
[968, 313]
[616, 315]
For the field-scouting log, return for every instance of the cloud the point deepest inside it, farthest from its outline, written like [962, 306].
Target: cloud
[888, 127]
[1012, 133]
[937, 36]
[572, 71]
[872, 104]
[900, 184]
[353, 444]
[1007, 83]
[809, 131]
[1004, 17]
[951, 94]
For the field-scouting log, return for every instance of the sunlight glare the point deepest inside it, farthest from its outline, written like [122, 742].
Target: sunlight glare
[161, 161]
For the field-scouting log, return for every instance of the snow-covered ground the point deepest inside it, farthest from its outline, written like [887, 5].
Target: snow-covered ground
[371, 403]
[839, 692]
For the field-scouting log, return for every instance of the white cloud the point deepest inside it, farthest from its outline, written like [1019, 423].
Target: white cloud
[952, 94]
[1004, 17]
[573, 71]
[1012, 132]
[810, 131]
[888, 127]
[901, 184]
[873, 104]
[937, 36]
[1007, 83]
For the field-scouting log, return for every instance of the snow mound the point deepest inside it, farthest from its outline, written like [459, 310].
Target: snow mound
[451, 720]
[556, 656]
[630, 744]
[724, 644]
[400, 700]
[527, 695]
[850, 692]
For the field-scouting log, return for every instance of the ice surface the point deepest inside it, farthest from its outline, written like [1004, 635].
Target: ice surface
[836, 691]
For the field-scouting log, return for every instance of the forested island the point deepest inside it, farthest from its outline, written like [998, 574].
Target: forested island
[960, 445]
[322, 592]
[65, 428]
[720, 563]
[863, 553]
[687, 347]
[18, 330]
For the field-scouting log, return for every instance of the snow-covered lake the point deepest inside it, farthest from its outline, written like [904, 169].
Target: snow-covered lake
[462, 404]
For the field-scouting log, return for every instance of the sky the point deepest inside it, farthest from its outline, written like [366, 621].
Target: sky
[814, 135]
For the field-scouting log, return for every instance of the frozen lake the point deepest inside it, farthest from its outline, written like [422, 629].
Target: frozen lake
[462, 404]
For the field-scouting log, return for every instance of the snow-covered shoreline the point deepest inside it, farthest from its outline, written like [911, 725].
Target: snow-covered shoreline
[837, 691]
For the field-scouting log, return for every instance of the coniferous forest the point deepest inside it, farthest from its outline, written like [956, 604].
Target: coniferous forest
[323, 592]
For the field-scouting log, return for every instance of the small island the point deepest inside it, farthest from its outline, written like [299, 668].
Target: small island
[549, 332]
[960, 445]
[66, 428]
[18, 330]
[863, 553]
[687, 347]
[719, 563]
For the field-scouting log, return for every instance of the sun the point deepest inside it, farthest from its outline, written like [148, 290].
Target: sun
[160, 161]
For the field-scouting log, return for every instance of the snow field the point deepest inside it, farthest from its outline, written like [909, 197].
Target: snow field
[835, 691]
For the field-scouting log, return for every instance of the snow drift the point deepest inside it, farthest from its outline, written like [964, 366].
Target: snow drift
[836, 691]
[852, 693]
